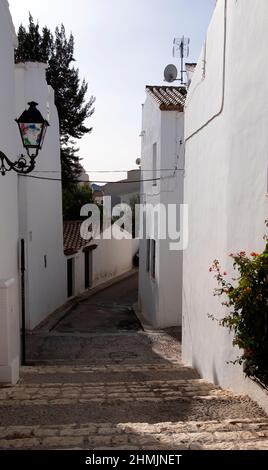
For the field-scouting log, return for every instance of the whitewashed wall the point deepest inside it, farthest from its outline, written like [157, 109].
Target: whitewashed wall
[9, 311]
[79, 271]
[160, 299]
[151, 133]
[226, 174]
[41, 204]
[108, 260]
[112, 258]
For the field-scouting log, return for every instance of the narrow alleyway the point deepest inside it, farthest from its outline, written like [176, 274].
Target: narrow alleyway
[98, 381]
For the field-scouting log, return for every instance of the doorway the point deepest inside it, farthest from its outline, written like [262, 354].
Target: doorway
[70, 277]
[88, 268]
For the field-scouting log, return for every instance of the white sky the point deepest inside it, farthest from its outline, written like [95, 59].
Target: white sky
[120, 47]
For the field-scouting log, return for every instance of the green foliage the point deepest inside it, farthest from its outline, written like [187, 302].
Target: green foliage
[33, 45]
[74, 197]
[70, 94]
[247, 302]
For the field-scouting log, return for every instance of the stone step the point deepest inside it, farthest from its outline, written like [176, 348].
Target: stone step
[100, 392]
[123, 373]
[117, 361]
[73, 369]
[130, 400]
[226, 434]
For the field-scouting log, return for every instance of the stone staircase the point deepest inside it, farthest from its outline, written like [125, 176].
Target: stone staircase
[163, 406]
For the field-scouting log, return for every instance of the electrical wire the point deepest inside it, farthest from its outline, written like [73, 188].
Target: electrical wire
[47, 178]
[83, 181]
[109, 171]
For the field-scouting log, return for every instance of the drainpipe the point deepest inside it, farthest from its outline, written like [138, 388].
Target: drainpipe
[214, 116]
[23, 313]
[223, 81]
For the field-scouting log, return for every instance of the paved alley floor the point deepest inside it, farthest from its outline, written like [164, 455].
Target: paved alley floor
[97, 380]
[100, 328]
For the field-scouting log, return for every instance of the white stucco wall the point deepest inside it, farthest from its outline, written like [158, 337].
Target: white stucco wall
[40, 203]
[79, 271]
[108, 259]
[112, 258]
[9, 310]
[226, 175]
[160, 298]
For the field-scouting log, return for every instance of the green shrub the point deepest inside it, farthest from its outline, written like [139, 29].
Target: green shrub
[247, 301]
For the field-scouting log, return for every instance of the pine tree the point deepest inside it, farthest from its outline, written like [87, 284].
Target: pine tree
[74, 197]
[70, 94]
[33, 46]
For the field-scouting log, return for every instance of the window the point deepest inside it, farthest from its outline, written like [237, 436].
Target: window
[148, 255]
[154, 163]
[153, 246]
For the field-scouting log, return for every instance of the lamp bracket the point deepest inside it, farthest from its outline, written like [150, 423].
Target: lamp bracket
[20, 166]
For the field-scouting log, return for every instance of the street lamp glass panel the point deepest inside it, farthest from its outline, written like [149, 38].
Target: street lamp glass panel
[32, 127]
[31, 134]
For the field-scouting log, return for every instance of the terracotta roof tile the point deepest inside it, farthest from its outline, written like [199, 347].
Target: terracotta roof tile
[169, 98]
[72, 239]
[191, 66]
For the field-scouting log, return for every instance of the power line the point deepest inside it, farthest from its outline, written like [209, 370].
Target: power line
[82, 181]
[110, 171]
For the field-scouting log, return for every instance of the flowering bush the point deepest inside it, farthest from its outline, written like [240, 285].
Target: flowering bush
[247, 301]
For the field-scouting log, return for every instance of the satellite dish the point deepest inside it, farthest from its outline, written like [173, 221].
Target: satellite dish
[138, 161]
[170, 73]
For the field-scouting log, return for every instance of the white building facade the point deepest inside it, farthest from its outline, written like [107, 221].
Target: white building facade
[226, 122]
[30, 207]
[40, 204]
[91, 263]
[9, 248]
[112, 257]
[162, 163]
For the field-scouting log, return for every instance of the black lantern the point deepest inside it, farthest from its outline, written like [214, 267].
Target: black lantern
[32, 128]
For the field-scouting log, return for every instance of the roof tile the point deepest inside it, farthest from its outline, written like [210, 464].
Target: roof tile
[169, 98]
[72, 239]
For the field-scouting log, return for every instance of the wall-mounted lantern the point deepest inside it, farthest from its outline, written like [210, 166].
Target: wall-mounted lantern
[32, 128]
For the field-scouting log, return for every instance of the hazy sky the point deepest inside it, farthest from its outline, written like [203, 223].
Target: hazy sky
[120, 47]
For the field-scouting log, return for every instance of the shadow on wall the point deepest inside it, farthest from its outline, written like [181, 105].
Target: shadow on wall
[215, 374]
[215, 377]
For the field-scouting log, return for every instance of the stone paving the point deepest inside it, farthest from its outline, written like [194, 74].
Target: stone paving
[107, 384]
[227, 434]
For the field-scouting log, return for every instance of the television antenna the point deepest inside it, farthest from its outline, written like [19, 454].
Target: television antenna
[180, 50]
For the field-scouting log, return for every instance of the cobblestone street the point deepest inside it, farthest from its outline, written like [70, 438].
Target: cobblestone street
[97, 380]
